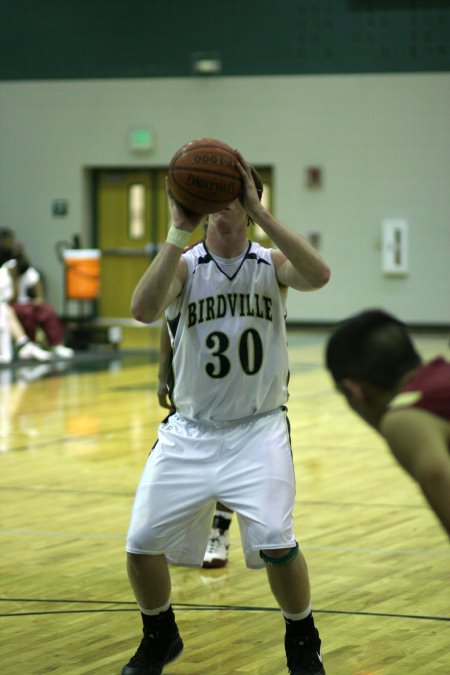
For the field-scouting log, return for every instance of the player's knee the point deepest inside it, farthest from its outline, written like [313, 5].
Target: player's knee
[279, 557]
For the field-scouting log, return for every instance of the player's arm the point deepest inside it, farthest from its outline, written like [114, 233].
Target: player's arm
[304, 269]
[296, 262]
[165, 358]
[163, 280]
[419, 443]
[160, 284]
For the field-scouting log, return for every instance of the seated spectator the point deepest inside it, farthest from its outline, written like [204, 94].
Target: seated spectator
[11, 330]
[28, 299]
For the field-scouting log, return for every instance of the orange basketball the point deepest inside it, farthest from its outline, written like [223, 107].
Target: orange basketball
[204, 177]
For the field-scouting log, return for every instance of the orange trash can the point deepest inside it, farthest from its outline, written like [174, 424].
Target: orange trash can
[82, 273]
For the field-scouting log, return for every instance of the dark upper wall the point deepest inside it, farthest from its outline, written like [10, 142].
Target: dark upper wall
[65, 39]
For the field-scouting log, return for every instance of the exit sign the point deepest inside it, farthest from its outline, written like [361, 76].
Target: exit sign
[141, 140]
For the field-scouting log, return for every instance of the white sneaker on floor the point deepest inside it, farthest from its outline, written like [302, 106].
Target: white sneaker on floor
[63, 352]
[30, 350]
[216, 554]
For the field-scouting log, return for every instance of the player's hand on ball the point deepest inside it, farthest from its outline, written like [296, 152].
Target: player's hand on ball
[185, 220]
[249, 197]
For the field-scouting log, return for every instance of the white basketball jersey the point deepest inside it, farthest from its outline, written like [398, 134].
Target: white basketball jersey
[230, 356]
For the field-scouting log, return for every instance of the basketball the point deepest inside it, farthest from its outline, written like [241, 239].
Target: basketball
[204, 177]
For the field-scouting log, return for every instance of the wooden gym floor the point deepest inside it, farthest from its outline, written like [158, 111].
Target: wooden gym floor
[73, 441]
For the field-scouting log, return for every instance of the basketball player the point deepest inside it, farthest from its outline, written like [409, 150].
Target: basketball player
[377, 368]
[216, 554]
[225, 302]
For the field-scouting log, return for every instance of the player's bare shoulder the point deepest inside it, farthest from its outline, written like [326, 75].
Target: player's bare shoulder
[413, 433]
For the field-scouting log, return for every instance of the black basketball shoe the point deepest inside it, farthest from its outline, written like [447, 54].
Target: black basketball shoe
[304, 656]
[160, 645]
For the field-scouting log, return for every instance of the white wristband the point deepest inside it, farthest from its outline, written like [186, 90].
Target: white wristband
[178, 237]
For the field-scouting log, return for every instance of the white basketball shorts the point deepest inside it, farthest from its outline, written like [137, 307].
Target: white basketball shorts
[247, 466]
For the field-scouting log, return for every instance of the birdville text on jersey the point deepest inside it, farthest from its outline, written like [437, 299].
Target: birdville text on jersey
[231, 304]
